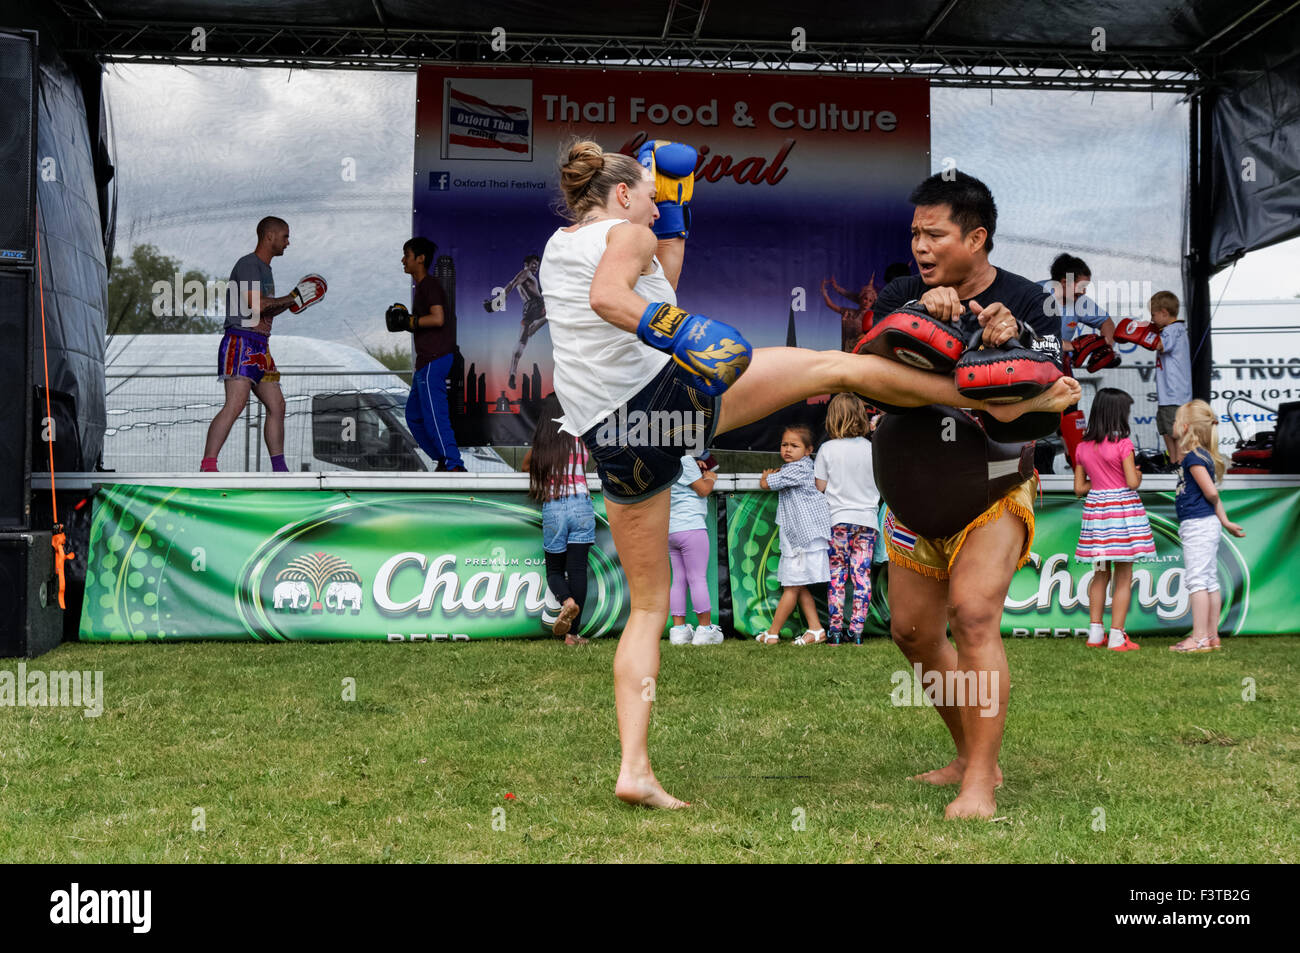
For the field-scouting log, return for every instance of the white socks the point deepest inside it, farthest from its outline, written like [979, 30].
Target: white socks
[1096, 633]
[1116, 638]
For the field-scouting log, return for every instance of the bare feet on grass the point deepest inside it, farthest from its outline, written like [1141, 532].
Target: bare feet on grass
[975, 800]
[951, 773]
[1064, 393]
[645, 791]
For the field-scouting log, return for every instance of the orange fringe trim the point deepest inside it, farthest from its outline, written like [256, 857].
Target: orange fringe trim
[902, 559]
[993, 513]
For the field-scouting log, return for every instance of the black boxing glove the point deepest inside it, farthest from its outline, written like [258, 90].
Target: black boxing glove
[399, 319]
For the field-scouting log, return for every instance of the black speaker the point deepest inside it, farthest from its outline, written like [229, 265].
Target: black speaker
[18, 64]
[33, 623]
[1286, 445]
[15, 397]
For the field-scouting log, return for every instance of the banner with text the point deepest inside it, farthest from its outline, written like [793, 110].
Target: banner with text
[169, 564]
[800, 204]
[1049, 596]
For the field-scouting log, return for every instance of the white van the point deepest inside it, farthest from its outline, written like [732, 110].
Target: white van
[344, 410]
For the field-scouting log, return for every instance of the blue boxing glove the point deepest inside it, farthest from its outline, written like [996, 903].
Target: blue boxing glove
[673, 166]
[712, 351]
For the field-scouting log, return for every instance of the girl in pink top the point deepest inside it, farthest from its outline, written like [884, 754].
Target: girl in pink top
[1115, 530]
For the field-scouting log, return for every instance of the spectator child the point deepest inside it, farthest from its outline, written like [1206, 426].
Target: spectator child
[804, 522]
[843, 473]
[1115, 530]
[688, 551]
[1200, 514]
[1173, 366]
[556, 465]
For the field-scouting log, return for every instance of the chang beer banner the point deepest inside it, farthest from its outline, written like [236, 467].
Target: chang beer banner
[754, 552]
[1049, 597]
[171, 564]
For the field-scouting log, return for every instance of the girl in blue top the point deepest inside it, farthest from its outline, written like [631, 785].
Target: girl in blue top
[1200, 514]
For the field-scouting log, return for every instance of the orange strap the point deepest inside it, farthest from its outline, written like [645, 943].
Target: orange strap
[59, 538]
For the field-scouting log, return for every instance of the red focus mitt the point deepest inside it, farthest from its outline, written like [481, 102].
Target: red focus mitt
[912, 336]
[1023, 367]
[1138, 332]
[309, 290]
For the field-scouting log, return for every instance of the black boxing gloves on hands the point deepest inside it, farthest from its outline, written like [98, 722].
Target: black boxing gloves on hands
[398, 318]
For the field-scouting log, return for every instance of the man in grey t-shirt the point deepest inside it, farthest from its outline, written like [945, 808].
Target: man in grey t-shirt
[244, 361]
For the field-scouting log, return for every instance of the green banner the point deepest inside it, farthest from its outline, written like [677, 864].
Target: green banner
[1049, 596]
[177, 563]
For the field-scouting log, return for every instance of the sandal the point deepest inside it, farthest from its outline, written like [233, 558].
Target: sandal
[564, 621]
[768, 638]
[575, 640]
[1128, 645]
[1192, 643]
[810, 637]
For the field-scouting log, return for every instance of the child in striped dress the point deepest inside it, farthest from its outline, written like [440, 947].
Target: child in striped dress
[1115, 530]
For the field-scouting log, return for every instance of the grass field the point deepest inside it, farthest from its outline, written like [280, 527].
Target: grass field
[283, 769]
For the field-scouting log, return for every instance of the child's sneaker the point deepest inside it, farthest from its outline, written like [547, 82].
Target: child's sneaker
[707, 635]
[681, 634]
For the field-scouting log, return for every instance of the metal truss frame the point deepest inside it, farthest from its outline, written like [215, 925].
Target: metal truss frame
[679, 48]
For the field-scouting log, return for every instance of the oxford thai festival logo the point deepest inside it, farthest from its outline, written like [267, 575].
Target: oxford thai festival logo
[317, 582]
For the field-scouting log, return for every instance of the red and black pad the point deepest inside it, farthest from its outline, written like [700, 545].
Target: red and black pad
[1084, 346]
[1141, 333]
[1251, 457]
[1102, 358]
[937, 468]
[1006, 374]
[911, 336]
[1248, 470]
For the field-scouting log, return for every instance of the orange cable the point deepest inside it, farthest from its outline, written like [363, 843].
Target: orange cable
[59, 538]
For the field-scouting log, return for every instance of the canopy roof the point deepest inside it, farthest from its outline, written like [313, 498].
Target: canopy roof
[1147, 44]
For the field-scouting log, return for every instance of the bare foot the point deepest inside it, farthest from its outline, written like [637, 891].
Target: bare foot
[1064, 393]
[951, 773]
[974, 800]
[645, 791]
[978, 806]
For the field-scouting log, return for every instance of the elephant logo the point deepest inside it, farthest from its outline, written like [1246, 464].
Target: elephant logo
[292, 594]
[343, 595]
[332, 581]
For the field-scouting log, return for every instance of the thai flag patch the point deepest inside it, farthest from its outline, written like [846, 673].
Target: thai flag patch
[902, 537]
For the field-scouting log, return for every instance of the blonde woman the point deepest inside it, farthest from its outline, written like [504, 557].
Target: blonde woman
[621, 346]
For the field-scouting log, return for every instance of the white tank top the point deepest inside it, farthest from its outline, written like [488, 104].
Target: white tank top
[597, 366]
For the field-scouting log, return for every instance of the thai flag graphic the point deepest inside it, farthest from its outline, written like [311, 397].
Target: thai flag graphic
[479, 124]
[902, 537]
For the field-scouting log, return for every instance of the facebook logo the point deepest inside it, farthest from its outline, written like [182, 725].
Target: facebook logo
[439, 181]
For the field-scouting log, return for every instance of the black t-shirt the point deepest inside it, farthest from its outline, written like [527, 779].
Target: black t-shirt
[1025, 299]
[432, 343]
